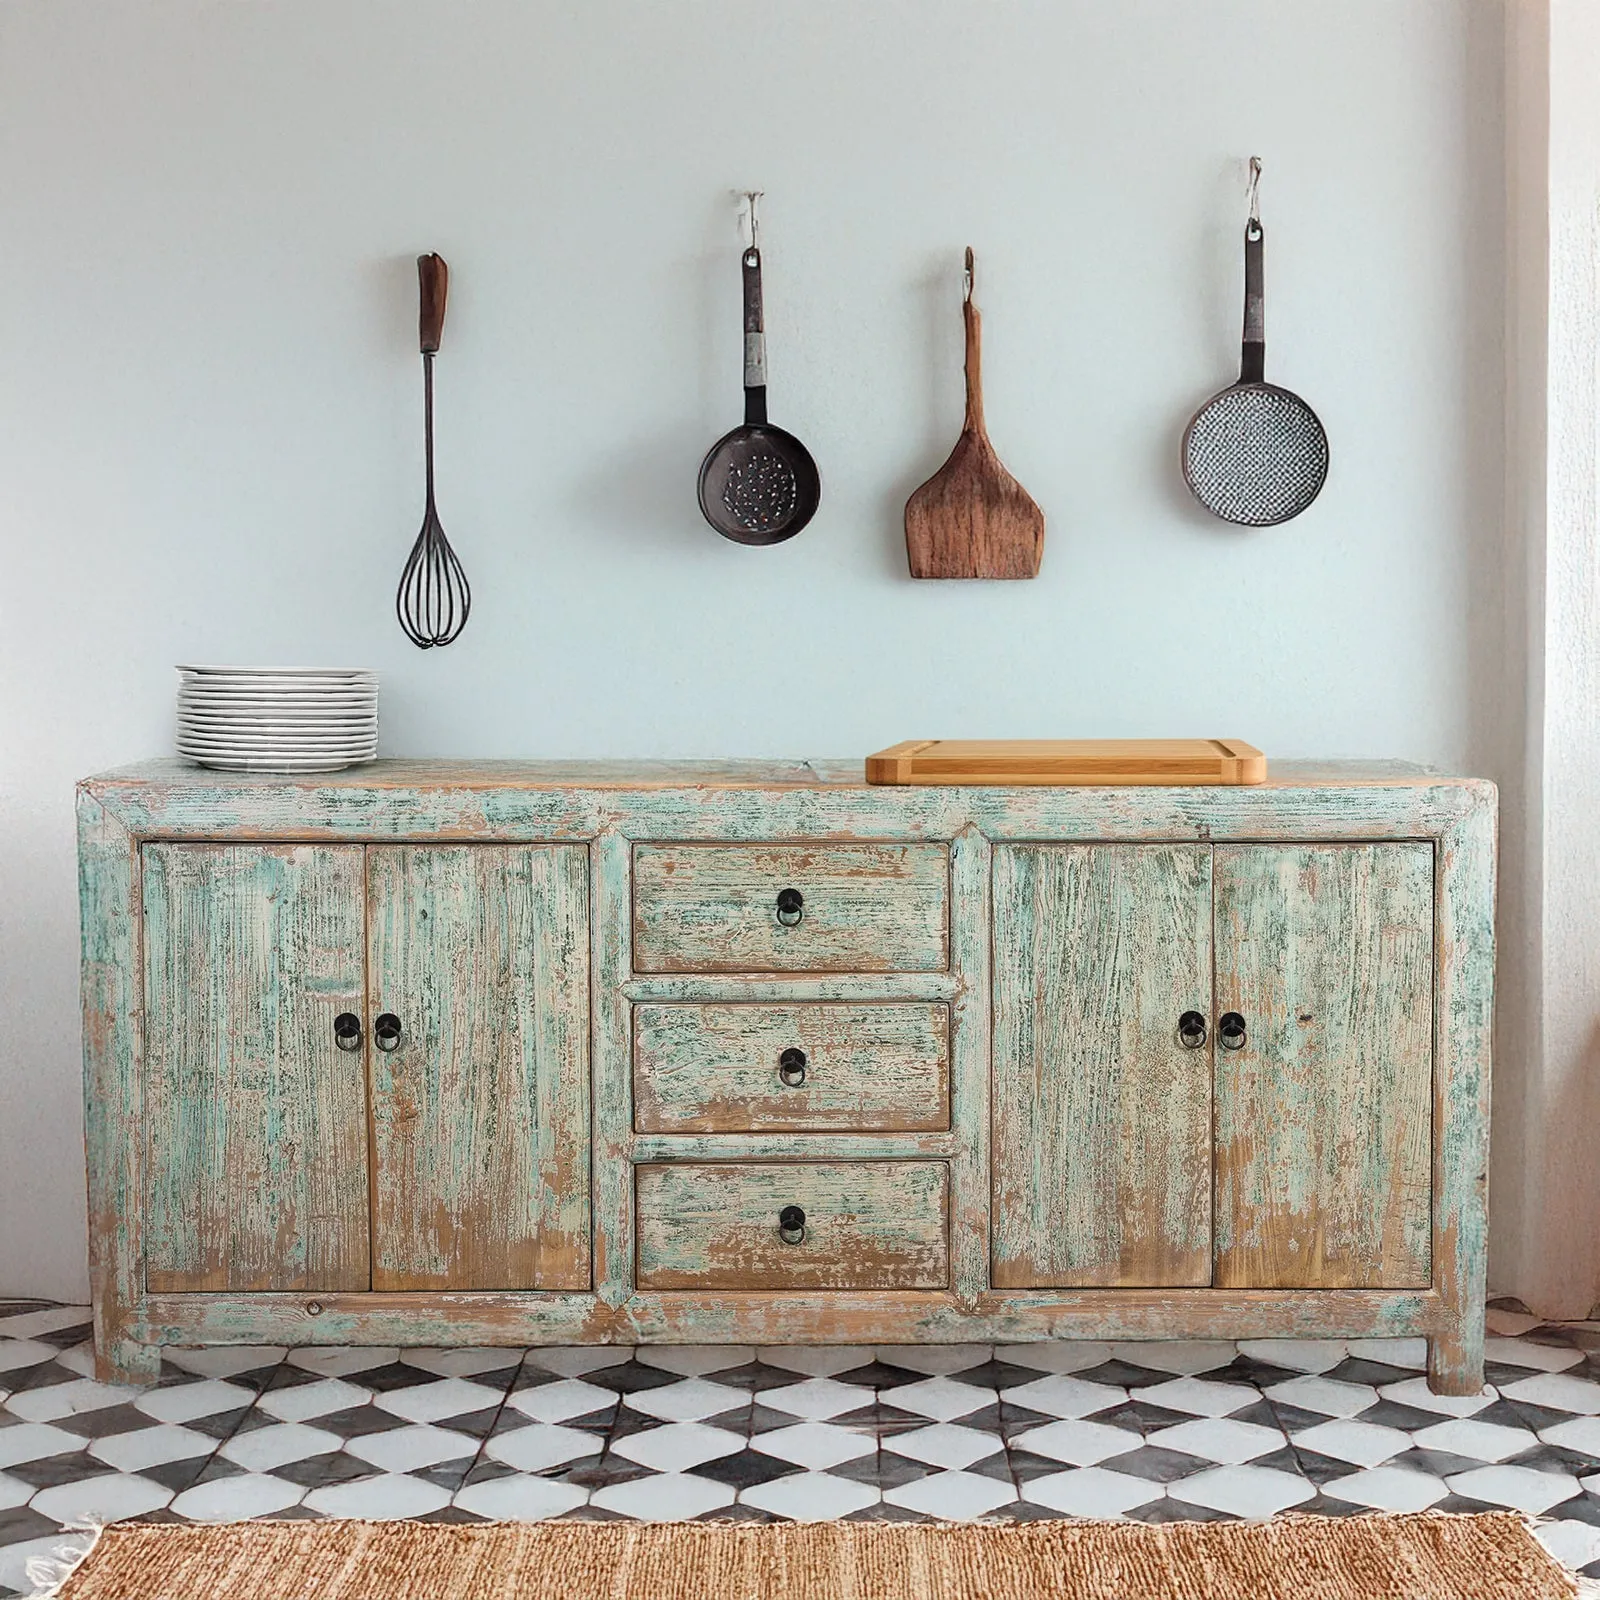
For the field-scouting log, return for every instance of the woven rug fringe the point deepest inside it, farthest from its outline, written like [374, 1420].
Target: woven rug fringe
[49, 1574]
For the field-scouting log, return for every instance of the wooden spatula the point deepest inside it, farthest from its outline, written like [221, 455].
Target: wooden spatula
[972, 519]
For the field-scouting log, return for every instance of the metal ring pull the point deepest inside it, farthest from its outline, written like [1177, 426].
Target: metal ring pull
[1192, 1030]
[386, 1032]
[792, 1225]
[792, 1067]
[347, 1031]
[1231, 1033]
[791, 907]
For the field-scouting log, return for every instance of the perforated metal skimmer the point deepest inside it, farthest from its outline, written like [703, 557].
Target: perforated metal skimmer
[758, 484]
[761, 491]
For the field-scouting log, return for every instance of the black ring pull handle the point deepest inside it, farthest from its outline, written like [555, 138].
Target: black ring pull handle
[386, 1032]
[792, 1225]
[347, 1031]
[792, 1068]
[791, 907]
[1231, 1031]
[1192, 1030]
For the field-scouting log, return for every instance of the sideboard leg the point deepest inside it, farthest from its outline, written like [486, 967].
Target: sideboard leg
[127, 1361]
[1455, 1364]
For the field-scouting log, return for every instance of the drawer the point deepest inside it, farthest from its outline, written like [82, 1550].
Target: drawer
[824, 1068]
[791, 908]
[867, 1225]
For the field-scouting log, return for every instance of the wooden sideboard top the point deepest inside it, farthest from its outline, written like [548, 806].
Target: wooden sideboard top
[172, 774]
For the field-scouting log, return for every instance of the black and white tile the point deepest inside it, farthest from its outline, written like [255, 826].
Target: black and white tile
[1156, 1432]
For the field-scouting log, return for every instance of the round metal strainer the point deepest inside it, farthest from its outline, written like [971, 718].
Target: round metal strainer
[1255, 454]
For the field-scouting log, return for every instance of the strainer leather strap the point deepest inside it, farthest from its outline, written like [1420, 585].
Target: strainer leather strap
[755, 343]
[1253, 359]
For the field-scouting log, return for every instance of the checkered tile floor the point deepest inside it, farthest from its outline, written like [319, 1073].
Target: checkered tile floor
[1152, 1431]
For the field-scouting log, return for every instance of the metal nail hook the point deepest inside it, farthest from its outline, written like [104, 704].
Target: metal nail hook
[967, 277]
[1255, 194]
[750, 198]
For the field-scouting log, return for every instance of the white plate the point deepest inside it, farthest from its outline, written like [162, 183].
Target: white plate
[281, 672]
[272, 763]
[261, 688]
[330, 705]
[272, 741]
[296, 716]
[305, 752]
[278, 741]
[281, 730]
[300, 689]
[255, 764]
[343, 705]
[298, 692]
[350, 735]
[291, 725]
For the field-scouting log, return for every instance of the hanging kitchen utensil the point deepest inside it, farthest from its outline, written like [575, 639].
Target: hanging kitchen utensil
[972, 519]
[1255, 454]
[434, 597]
[758, 484]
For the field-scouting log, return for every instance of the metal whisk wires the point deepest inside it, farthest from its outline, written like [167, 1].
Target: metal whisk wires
[434, 598]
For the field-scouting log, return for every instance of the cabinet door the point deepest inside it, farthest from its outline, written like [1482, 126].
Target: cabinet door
[1324, 1114]
[255, 1120]
[480, 1114]
[1101, 1116]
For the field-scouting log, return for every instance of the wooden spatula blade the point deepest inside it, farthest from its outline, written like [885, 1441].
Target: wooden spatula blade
[972, 519]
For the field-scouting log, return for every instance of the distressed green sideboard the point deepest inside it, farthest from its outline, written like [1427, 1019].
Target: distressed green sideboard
[521, 1053]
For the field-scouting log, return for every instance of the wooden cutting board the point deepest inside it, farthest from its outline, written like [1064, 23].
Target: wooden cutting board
[1066, 761]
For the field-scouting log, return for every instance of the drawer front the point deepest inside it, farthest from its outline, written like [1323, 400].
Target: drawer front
[791, 908]
[867, 1225]
[824, 1068]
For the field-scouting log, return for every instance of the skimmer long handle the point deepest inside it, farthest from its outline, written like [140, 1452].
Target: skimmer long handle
[755, 342]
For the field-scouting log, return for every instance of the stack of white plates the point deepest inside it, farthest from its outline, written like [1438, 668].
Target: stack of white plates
[277, 719]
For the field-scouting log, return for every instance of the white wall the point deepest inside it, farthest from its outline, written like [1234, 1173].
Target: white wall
[209, 393]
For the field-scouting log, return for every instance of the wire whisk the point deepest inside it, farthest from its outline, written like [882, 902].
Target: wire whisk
[434, 598]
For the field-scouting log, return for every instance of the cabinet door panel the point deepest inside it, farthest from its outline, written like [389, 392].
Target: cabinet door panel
[480, 1117]
[1102, 1119]
[255, 1121]
[1324, 1117]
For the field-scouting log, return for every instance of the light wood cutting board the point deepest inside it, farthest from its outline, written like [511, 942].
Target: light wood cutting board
[1068, 761]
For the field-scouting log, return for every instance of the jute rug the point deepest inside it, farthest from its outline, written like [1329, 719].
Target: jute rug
[1421, 1557]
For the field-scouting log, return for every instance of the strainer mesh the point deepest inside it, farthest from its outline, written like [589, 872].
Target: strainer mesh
[1256, 455]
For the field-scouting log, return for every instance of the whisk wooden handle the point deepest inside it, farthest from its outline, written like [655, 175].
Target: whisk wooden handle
[434, 278]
